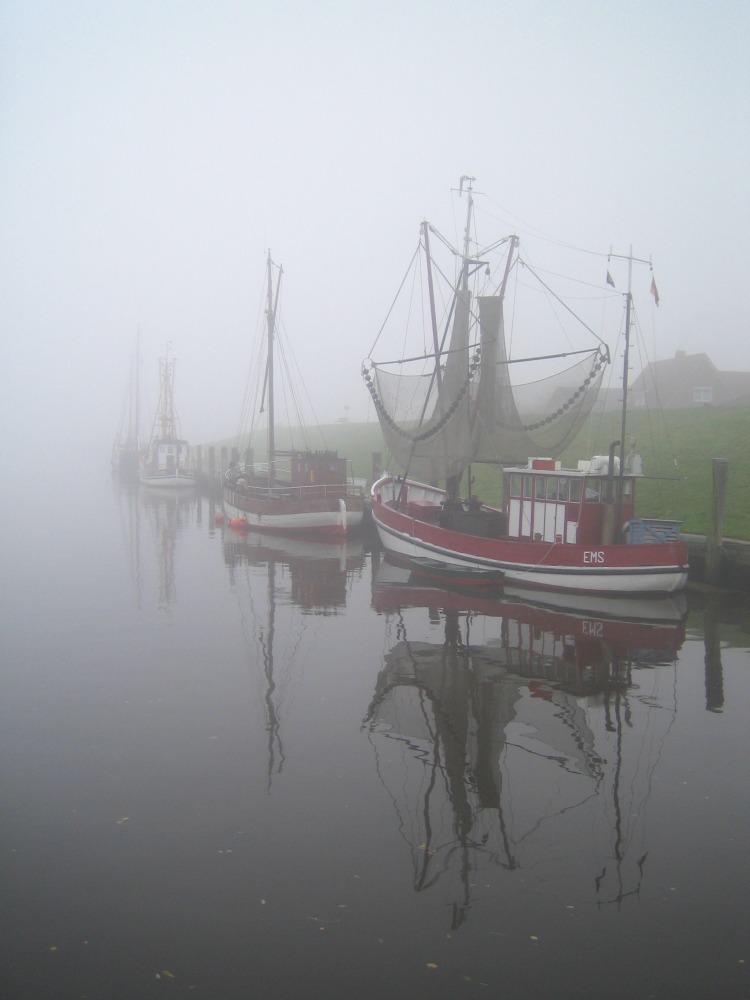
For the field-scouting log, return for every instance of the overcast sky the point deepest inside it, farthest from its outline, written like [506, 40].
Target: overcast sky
[152, 152]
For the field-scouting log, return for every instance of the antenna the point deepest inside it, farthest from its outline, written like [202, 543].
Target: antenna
[465, 177]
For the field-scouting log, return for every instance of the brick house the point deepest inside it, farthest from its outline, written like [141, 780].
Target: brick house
[686, 381]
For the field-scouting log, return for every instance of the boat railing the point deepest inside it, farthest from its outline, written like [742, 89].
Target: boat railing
[285, 491]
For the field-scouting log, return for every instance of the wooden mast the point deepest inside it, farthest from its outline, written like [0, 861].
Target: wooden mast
[452, 483]
[271, 306]
[625, 378]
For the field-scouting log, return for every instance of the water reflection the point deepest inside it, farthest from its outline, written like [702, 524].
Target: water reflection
[309, 576]
[151, 521]
[511, 735]
[317, 574]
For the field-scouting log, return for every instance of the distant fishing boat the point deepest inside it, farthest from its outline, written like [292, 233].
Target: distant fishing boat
[128, 449]
[167, 462]
[302, 492]
[454, 403]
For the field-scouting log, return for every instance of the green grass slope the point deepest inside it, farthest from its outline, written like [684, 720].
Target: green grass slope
[677, 451]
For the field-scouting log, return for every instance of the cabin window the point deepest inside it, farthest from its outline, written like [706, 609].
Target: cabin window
[593, 490]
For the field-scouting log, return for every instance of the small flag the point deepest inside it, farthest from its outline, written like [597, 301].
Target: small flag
[654, 291]
[610, 280]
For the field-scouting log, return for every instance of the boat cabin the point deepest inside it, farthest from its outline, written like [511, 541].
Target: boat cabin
[315, 468]
[166, 456]
[544, 502]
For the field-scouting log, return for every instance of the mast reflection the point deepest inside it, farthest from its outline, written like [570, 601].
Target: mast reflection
[524, 734]
[311, 576]
[151, 522]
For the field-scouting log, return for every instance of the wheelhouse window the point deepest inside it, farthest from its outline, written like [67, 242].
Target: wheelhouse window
[593, 490]
[515, 485]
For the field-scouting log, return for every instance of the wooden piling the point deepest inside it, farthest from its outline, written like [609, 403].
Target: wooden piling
[715, 528]
[712, 643]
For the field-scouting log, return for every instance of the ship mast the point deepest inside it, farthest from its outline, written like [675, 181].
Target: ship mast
[167, 414]
[453, 483]
[467, 230]
[625, 378]
[271, 307]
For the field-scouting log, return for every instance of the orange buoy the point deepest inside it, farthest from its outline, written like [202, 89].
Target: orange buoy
[239, 524]
[219, 518]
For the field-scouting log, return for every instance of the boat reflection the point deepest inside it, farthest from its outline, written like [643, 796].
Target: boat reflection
[318, 572]
[153, 519]
[526, 736]
[297, 578]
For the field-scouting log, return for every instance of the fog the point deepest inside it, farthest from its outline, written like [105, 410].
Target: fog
[152, 152]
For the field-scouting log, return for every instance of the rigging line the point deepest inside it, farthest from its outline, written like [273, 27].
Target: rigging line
[398, 292]
[604, 293]
[508, 361]
[563, 304]
[539, 233]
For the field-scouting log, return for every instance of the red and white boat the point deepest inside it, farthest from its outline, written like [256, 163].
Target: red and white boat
[560, 529]
[296, 492]
[553, 532]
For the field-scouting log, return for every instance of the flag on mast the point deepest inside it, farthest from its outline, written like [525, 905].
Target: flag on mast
[610, 280]
[654, 290]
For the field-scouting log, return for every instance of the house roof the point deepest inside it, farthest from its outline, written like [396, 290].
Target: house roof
[674, 379]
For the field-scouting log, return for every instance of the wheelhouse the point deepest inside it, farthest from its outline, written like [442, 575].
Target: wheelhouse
[544, 502]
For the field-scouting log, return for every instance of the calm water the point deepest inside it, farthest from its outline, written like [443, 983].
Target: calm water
[233, 768]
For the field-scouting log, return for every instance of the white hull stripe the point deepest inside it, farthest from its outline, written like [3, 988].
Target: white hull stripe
[410, 546]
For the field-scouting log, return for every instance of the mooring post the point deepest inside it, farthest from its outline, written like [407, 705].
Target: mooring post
[715, 530]
[712, 646]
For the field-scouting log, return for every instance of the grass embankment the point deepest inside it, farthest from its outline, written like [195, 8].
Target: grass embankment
[678, 449]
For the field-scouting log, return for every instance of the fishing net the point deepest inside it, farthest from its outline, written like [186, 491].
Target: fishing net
[477, 404]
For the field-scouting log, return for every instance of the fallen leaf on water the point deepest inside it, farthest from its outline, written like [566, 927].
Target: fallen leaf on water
[431, 965]
[166, 972]
[123, 820]
[534, 937]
